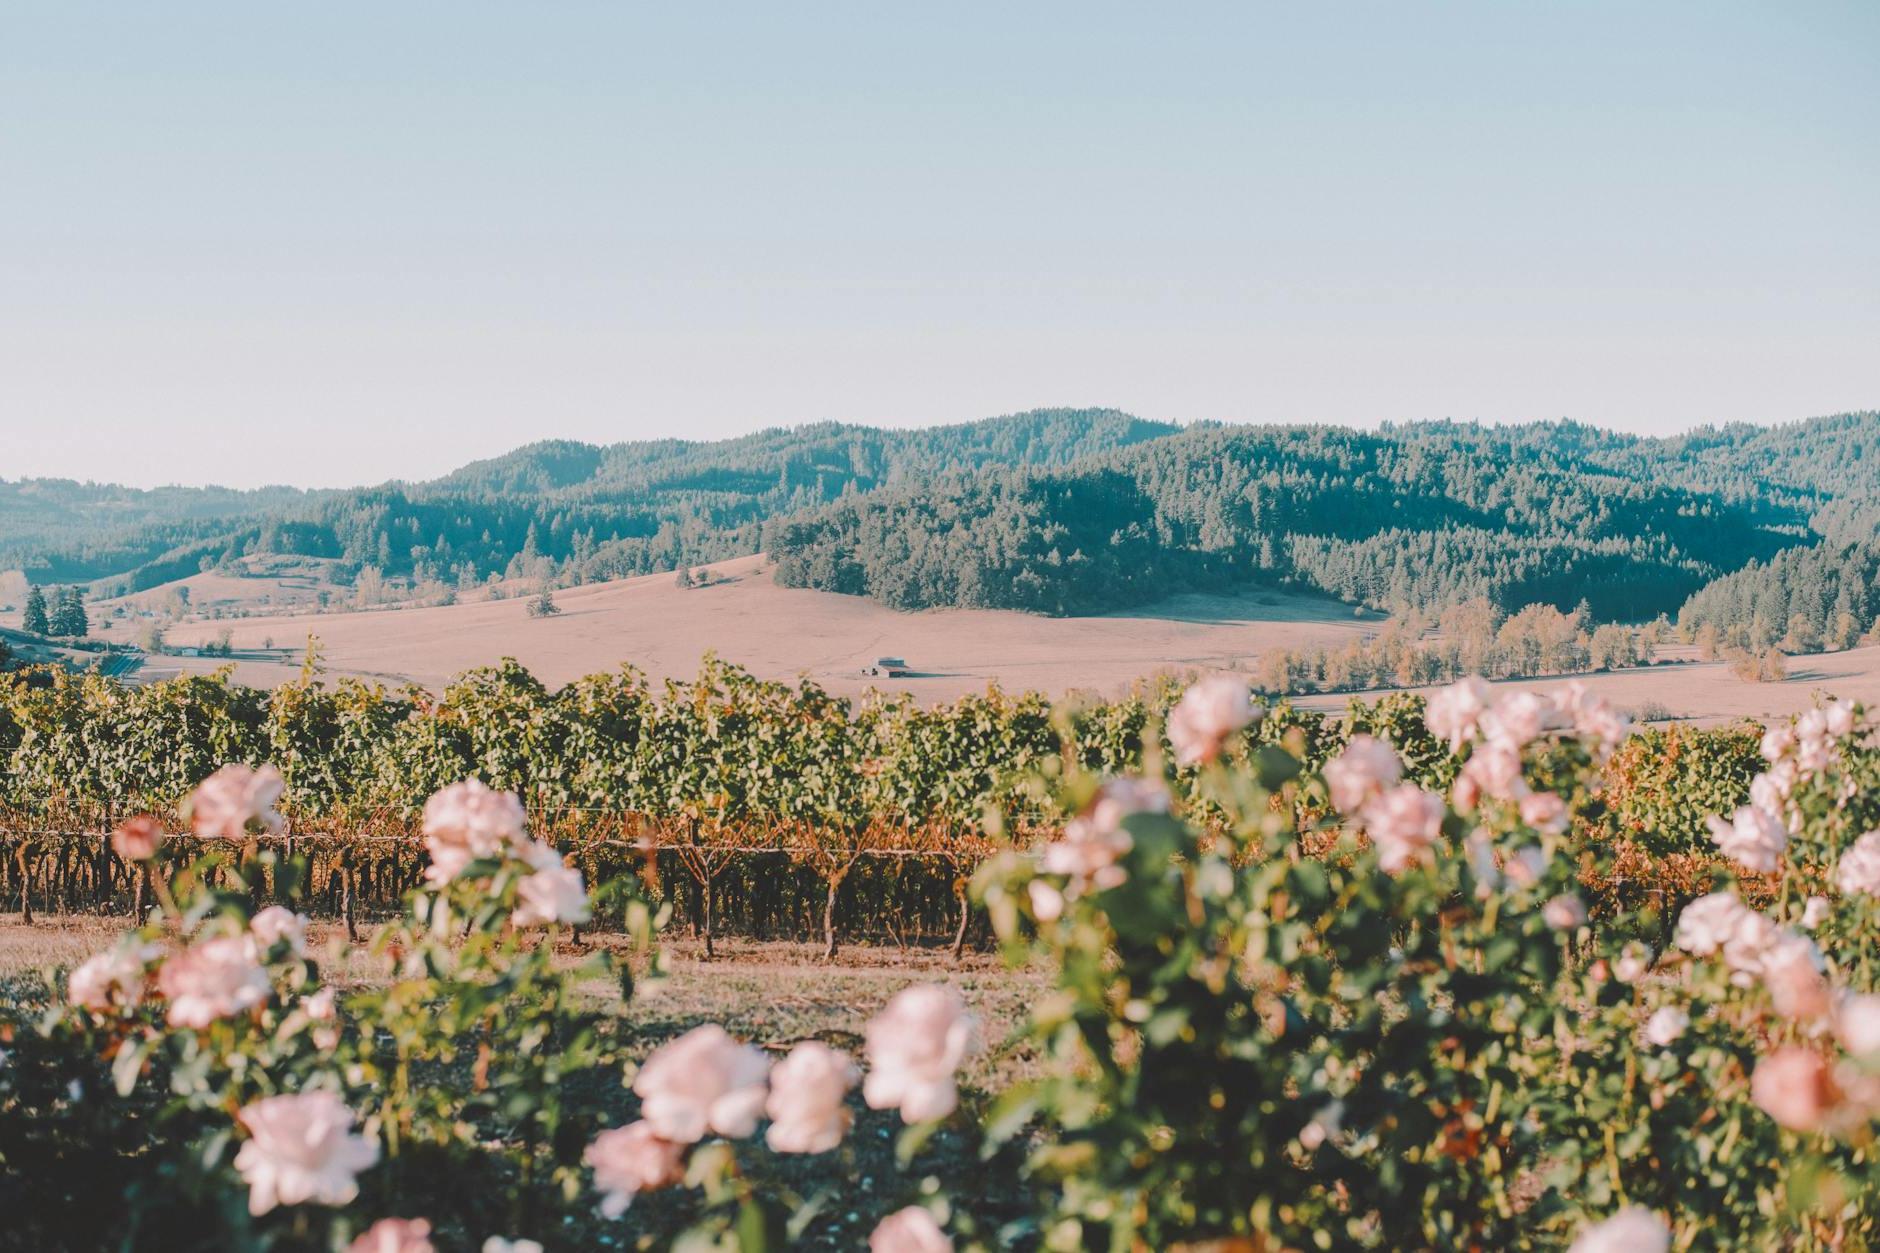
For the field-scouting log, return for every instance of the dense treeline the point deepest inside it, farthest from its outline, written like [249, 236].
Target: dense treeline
[1063, 511]
[580, 511]
[1473, 637]
[56, 529]
[1435, 518]
[1802, 600]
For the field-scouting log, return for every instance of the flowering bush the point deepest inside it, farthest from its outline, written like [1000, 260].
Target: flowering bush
[1306, 991]
[255, 1100]
[1361, 1013]
[257, 1103]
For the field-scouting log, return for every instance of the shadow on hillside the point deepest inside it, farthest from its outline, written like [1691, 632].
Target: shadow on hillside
[1246, 608]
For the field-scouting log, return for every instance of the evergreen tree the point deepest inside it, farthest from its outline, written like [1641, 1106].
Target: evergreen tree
[69, 617]
[36, 622]
[544, 606]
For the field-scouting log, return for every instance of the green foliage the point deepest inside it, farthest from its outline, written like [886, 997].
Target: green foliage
[35, 620]
[1662, 783]
[68, 618]
[1070, 511]
[1260, 1036]
[1420, 517]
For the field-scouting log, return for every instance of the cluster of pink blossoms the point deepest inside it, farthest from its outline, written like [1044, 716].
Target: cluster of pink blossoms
[1799, 1085]
[1209, 711]
[1402, 819]
[469, 822]
[707, 1083]
[222, 976]
[1094, 843]
[217, 977]
[1757, 834]
[236, 801]
[1497, 730]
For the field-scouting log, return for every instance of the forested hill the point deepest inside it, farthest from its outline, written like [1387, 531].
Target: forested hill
[1062, 511]
[63, 527]
[595, 511]
[1420, 516]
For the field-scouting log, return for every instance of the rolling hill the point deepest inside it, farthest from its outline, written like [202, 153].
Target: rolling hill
[1062, 512]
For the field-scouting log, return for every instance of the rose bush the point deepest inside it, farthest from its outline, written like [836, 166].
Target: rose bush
[1361, 987]
[1365, 1013]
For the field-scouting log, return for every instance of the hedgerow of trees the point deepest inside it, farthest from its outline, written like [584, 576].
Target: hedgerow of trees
[1473, 637]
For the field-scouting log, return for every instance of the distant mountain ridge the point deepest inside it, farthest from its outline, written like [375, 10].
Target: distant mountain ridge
[129, 539]
[1054, 511]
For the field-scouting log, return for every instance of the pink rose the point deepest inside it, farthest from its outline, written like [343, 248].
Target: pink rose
[1047, 903]
[301, 1149]
[277, 925]
[1526, 865]
[1857, 1024]
[1363, 770]
[137, 839]
[1094, 841]
[1519, 718]
[630, 1160]
[227, 803]
[394, 1235]
[1634, 961]
[466, 822]
[806, 1105]
[1455, 713]
[1545, 812]
[1792, 973]
[1593, 719]
[1403, 823]
[554, 893]
[1840, 718]
[703, 1082]
[1710, 922]
[322, 1013]
[1208, 712]
[1565, 912]
[910, 1230]
[1771, 789]
[1666, 1026]
[914, 1047]
[1858, 873]
[1632, 1230]
[112, 980]
[1793, 1086]
[217, 978]
[1754, 838]
[1495, 770]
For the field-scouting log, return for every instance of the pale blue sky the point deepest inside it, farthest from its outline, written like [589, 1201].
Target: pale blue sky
[336, 242]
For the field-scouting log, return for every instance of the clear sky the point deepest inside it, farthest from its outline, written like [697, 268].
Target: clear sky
[336, 242]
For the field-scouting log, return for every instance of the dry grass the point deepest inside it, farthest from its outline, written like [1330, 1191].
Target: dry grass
[779, 633]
